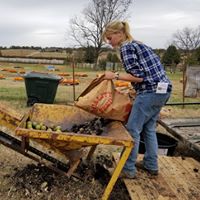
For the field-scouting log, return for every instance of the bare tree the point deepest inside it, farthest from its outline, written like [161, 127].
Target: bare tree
[87, 30]
[187, 39]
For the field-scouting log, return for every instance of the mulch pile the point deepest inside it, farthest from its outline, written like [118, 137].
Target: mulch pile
[40, 183]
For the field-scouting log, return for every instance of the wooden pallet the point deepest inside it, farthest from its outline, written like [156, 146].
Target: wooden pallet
[178, 179]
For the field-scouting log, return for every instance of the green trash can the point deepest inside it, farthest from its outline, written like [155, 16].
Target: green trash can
[41, 87]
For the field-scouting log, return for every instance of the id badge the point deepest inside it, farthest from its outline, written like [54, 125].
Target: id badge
[162, 88]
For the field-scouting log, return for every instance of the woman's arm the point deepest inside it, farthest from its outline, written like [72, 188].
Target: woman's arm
[124, 77]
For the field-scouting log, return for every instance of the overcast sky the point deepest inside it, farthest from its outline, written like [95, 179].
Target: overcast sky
[45, 22]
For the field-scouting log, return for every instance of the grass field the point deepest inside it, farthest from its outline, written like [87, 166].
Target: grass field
[31, 53]
[13, 93]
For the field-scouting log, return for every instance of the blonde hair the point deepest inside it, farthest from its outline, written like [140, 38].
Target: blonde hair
[117, 26]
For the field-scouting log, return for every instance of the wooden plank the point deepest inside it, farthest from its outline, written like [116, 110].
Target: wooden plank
[135, 190]
[189, 165]
[169, 174]
[182, 181]
[178, 179]
[152, 187]
[165, 192]
[191, 176]
[191, 173]
[142, 187]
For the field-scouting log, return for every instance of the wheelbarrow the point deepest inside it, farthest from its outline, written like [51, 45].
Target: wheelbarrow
[70, 143]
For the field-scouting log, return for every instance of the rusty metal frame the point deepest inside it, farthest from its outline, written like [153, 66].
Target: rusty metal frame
[116, 135]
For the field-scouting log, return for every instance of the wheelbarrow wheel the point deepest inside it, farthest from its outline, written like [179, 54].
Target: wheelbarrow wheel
[31, 101]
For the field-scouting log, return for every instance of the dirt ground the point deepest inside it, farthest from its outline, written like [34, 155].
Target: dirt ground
[22, 179]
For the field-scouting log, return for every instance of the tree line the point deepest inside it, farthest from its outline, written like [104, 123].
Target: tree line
[86, 30]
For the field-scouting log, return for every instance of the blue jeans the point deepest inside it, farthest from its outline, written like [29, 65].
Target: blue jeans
[143, 117]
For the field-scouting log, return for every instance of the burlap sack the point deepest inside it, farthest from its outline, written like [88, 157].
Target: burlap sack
[101, 98]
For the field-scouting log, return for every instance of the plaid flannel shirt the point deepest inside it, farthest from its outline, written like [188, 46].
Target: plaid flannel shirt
[139, 60]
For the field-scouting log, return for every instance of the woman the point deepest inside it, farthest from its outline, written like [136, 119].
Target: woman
[153, 88]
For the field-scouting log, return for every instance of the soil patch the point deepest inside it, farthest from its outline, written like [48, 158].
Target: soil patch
[23, 179]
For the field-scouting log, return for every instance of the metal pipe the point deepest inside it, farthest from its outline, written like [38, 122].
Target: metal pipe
[182, 103]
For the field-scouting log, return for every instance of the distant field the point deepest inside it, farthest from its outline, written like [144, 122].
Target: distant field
[33, 53]
[17, 52]
[13, 93]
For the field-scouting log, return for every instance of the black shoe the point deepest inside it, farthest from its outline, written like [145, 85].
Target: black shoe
[140, 165]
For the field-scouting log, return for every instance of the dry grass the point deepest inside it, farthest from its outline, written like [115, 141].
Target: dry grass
[179, 112]
[13, 93]
[33, 53]
[17, 52]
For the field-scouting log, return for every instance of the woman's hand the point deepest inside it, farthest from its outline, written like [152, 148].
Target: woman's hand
[109, 75]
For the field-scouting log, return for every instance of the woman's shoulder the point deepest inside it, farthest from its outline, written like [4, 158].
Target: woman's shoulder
[134, 44]
[140, 46]
[129, 45]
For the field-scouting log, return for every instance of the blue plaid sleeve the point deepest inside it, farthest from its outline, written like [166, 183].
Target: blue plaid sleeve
[130, 61]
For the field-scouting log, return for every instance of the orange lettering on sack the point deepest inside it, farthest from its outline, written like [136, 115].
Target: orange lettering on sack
[128, 108]
[102, 102]
[127, 111]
